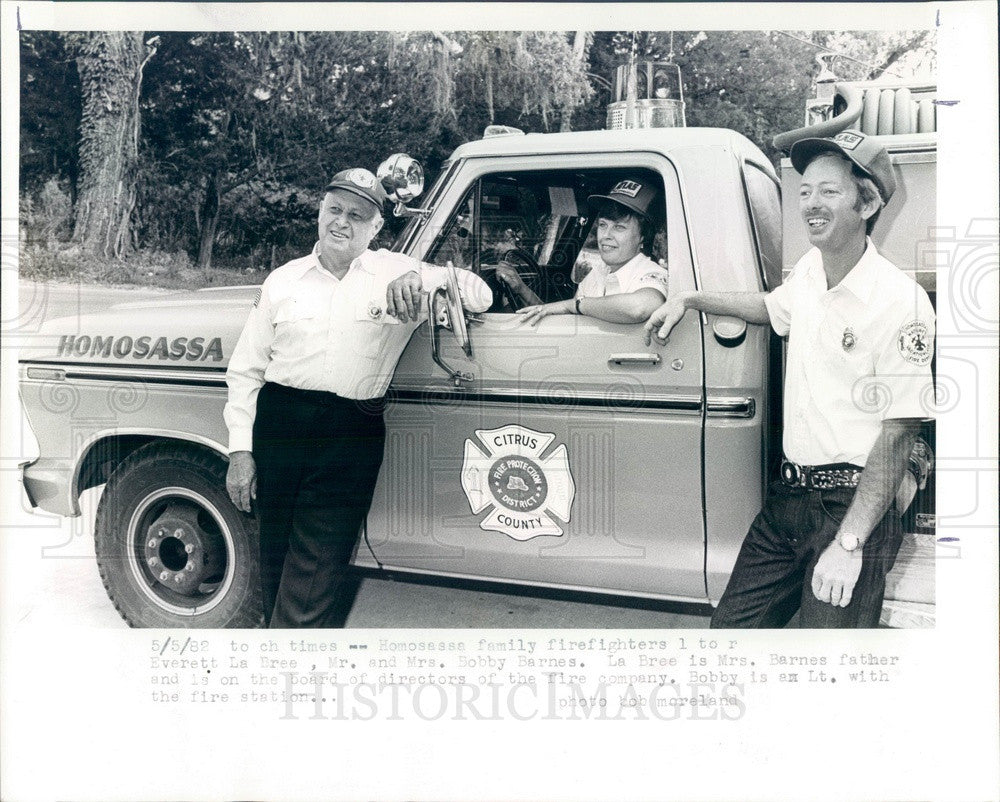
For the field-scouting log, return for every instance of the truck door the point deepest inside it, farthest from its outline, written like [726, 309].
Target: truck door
[739, 250]
[573, 457]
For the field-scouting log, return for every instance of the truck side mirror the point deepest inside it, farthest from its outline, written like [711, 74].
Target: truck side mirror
[402, 178]
[446, 312]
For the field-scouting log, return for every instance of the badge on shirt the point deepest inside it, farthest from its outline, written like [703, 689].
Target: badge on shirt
[374, 311]
[849, 340]
[914, 343]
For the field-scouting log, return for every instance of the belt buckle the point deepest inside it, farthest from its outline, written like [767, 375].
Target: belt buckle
[791, 474]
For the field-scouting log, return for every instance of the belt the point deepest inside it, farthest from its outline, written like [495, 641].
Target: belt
[820, 477]
[323, 398]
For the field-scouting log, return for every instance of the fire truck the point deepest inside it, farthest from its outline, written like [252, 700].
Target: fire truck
[566, 456]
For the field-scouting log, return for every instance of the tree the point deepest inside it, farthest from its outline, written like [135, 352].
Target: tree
[221, 144]
[252, 125]
[754, 82]
[581, 43]
[110, 66]
[522, 74]
[48, 129]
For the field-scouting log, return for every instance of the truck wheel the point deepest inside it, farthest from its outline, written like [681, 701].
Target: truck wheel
[172, 549]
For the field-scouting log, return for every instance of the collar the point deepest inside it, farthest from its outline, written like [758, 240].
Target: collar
[860, 280]
[363, 262]
[631, 264]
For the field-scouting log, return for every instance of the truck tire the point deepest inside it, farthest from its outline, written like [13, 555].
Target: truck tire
[172, 550]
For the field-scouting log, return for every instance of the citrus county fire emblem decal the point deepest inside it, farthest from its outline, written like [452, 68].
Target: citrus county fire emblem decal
[522, 490]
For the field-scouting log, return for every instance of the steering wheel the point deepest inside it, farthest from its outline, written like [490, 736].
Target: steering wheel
[525, 265]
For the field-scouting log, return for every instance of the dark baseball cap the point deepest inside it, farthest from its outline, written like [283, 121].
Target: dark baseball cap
[870, 157]
[636, 195]
[361, 182]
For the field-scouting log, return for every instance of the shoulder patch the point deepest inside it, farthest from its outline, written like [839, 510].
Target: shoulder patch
[914, 343]
[655, 275]
[256, 298]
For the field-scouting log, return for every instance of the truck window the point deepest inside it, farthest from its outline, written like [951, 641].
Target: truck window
[538, 221]
[764, 200]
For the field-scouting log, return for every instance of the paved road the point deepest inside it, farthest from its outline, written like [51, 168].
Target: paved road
[57, 579]
[38, 302]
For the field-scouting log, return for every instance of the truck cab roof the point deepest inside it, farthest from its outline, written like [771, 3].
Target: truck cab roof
[661, 140]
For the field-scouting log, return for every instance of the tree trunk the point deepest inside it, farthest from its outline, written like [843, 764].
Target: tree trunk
[580, 56]
[110, 66]
[489, 93]
[209, 222]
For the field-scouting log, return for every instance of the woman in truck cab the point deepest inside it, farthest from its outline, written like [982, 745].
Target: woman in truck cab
[627, 285]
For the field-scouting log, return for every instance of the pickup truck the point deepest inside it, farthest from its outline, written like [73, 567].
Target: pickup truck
[567, 456]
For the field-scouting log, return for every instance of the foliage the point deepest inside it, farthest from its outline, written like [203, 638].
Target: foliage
[48, 129]
[524, 73]
[48, 214]
[149, 267]
[757, 82]
[239, 131]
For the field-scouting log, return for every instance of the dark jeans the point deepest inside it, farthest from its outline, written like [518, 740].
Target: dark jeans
[772, 577]
[318, 457]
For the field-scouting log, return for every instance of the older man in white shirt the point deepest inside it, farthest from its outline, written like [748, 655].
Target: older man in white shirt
[306, 387]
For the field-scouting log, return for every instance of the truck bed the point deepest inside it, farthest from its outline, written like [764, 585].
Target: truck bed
[909, 587]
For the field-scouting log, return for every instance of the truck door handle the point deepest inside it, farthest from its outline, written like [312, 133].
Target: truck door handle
[634, 359]
[729, 331]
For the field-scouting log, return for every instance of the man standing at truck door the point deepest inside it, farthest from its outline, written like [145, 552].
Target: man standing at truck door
[857, 384]
[306, 384]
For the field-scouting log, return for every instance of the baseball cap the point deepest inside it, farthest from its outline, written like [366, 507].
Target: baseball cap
[634, 194]
[870, 157]
[361, 182]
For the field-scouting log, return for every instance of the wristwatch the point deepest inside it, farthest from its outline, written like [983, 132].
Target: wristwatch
[849, 542]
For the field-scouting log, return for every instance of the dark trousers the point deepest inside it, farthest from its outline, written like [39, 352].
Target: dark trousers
[772, 578]
[318, 457]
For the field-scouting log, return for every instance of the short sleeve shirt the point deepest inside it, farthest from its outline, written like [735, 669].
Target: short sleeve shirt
[637, 273]
[310, 330]
[858, 354]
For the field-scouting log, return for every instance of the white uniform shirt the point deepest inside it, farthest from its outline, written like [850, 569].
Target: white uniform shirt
[638, 272]
[858, 354]
[313, 331]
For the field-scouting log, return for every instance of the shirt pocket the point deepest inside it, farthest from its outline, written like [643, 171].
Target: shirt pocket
[298, 322]
[292, 309]
[842, 374]
[370, 321]
[845, 349]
